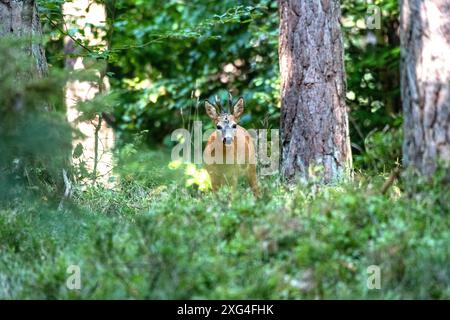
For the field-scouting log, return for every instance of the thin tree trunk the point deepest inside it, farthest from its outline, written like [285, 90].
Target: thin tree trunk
[425, 83]
[314, 121]
[98, 138]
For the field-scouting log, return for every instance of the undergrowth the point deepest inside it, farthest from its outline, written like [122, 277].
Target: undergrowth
[162, 240]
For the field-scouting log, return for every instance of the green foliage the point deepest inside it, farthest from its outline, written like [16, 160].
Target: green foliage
[373, 72]
[383, 151]
[169, 56]
[166, 57]
[158, 240]
[32, 125]
[217, 46]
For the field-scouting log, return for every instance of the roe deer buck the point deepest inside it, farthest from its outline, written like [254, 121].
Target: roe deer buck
[230, 152]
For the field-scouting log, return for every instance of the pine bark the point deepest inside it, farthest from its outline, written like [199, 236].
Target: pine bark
[314, 120]
[425, 83]
[20, 18]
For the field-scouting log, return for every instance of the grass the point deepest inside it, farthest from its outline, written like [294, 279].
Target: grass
[154, 238]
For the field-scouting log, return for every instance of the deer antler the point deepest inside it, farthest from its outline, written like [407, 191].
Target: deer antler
[218, 103]
[230, 102]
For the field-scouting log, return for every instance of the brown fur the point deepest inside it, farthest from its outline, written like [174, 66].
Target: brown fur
[237, 159]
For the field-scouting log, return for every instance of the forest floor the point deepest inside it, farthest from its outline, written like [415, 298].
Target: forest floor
[155, 237]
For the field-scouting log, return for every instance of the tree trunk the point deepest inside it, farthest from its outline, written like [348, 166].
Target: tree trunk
[425, 83]
[314, 122]
[19, 18]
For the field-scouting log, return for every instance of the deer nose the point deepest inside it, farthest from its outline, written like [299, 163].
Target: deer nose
[227, 140]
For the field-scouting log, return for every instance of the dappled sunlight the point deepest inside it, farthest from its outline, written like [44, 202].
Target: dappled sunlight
[197, 178]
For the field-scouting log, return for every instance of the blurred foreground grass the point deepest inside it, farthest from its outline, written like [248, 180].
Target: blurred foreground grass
[153, 237]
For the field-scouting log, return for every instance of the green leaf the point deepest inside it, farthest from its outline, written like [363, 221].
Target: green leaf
[78, 151]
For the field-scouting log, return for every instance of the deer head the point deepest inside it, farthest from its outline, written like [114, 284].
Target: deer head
[225, 121]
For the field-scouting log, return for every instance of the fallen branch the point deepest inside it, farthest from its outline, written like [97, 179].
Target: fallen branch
[67, 191]
[390, 181]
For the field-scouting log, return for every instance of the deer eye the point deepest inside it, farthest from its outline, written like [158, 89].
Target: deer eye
[219, 127]
[234, 126]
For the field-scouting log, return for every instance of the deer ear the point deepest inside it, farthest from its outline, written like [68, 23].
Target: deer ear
[238, 108]
[211, 110]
